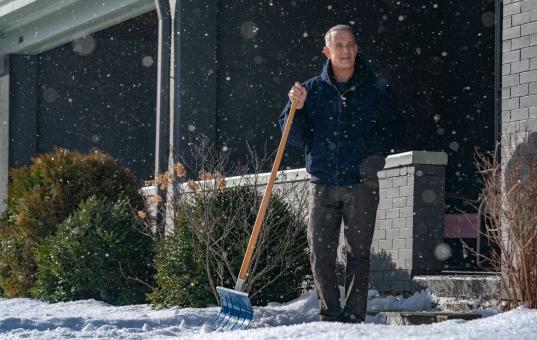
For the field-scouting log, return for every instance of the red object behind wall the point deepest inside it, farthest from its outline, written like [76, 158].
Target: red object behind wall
[460, 226]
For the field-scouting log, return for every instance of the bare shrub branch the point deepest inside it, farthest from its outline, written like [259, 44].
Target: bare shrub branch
[220, 229]
[510, 222]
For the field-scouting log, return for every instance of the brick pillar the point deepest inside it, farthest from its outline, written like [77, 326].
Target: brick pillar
[409, 227]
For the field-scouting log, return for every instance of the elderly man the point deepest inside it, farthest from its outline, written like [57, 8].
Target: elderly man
[346, 123]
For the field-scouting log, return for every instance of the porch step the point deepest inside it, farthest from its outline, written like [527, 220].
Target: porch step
[482, 286]
[423, 318]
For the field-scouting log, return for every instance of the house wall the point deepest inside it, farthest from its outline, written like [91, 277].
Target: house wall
[238, 59]
[23, 106]
[438, 58]
[97, 92]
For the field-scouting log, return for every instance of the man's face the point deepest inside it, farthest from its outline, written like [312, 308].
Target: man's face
[341, 50]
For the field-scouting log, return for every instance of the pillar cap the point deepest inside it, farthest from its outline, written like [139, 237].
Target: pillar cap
[416, 157]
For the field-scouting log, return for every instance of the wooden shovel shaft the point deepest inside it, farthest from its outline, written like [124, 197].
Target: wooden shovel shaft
[266, 197]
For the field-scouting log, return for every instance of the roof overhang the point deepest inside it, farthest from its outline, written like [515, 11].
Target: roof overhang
[35, 26]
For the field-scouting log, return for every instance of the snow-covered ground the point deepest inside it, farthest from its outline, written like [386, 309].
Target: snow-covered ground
[32, 319]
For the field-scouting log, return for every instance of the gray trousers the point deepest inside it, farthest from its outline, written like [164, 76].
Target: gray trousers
[357, 206]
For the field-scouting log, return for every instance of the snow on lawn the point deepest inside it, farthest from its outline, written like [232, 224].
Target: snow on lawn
[26, 318]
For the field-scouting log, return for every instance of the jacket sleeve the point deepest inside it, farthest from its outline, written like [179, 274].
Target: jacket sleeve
[298, 128]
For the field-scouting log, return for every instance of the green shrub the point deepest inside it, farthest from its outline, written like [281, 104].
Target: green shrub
[211, 239]
[100, 252]
[181, 279]
[42, 196]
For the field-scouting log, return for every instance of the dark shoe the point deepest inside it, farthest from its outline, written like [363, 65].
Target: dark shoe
[330, 318]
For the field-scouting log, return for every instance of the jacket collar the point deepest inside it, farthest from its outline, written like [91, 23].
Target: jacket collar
[361, 69]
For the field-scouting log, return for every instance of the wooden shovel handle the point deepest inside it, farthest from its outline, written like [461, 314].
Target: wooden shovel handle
[266, 197]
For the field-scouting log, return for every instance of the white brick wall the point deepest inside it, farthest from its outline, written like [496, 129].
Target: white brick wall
[519, 73]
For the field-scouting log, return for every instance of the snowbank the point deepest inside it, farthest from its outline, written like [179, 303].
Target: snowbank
[26, 318]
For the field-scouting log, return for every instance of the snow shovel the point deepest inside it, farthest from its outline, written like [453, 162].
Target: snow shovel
[236, 310]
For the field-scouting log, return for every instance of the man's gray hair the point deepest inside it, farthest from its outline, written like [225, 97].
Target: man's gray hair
[338, 28]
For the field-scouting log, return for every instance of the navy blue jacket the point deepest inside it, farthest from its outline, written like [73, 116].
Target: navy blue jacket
[345, 135]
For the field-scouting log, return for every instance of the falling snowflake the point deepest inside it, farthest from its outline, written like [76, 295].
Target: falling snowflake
[442, 251]
[84, 46]
[147, 61]
[249, 30]
[454, 146]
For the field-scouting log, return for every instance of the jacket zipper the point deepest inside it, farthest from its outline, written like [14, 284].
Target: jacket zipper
[344, 104]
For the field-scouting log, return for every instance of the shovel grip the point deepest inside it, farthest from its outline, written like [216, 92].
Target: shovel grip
[266, 198]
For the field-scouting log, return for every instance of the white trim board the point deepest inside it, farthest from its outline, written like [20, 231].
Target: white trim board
[32, 27]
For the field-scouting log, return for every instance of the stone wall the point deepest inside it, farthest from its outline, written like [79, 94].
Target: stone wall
[408, 237]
